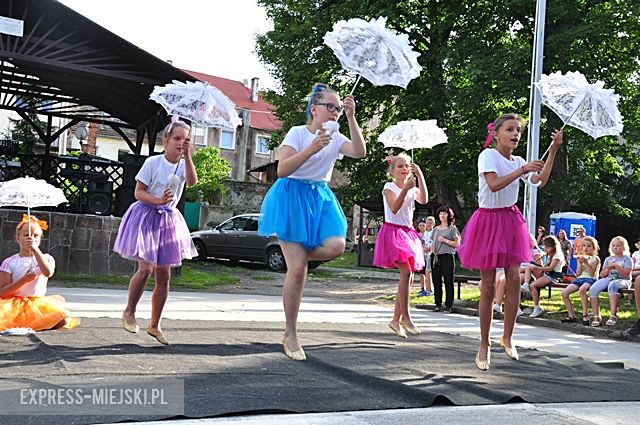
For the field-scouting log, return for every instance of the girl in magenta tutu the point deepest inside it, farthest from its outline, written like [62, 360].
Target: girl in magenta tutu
[398, 245]
[152, 231]
[496, 235]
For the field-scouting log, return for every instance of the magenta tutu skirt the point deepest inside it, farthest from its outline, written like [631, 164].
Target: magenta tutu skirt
[398, 244]
[154, 234]
[495, 238]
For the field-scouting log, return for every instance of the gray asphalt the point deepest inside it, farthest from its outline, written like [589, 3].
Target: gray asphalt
[238, 308]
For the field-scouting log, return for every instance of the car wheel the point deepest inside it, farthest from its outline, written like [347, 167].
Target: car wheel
[202, 251]
[275, 260]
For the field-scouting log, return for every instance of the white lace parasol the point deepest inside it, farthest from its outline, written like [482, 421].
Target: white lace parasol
[198, 102]
[588, 107]
[413, 134]
[380, 55]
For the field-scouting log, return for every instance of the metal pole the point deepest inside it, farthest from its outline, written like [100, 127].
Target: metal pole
[533, 136]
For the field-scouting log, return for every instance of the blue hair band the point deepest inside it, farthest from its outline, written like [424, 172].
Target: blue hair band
[317, 88]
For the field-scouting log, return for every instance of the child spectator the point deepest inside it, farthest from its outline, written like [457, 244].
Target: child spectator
[23, 284]
[425, 227]
[615, 275]
[551, 271]
[587, 271]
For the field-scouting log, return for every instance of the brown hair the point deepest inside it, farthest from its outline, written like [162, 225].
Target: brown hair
[317, 94]
[499, 122]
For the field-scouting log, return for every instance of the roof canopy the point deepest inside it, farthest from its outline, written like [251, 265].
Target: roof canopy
[68, 66]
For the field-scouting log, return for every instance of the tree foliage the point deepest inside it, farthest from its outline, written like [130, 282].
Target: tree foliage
[23, 131]
[212, 171]
[476, 59]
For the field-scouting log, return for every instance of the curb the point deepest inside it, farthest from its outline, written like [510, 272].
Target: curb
[548, 323]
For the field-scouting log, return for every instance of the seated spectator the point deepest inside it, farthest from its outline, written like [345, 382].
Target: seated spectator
[565, 246]
[635, 271]
[587, 271]
[615, 275]
[540, 234]
[551, 271]
[536, 258]
[635, 329]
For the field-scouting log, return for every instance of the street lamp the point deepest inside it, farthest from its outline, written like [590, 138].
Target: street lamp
[81, 135]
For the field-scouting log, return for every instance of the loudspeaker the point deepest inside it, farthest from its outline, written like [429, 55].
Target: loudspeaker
[99, 198]
[124, 198]
[131, 166]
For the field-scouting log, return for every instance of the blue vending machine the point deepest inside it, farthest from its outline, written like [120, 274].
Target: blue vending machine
[570, 222]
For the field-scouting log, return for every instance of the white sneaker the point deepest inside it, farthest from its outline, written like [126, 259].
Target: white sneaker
[520, 312]
[525, 287]
[496, 308]
[537, 311]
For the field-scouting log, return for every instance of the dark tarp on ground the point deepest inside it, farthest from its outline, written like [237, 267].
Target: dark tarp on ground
[238, 367]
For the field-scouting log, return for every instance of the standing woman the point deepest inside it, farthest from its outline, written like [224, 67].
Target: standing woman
[496, 235]
[300, 208]
[446, 238]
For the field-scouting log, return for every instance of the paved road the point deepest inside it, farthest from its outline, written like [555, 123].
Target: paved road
[85, 302]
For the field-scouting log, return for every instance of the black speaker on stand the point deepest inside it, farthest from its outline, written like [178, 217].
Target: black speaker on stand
[99, 198]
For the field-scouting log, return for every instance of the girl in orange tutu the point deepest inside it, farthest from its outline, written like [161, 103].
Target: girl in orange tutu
[23, 284]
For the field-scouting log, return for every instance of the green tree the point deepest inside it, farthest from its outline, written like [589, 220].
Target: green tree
[23, 131]
[212, 171]
[476, 58]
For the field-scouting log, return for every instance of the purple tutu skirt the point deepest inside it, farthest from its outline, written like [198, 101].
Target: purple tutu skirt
[495, 238]
[398, 244]
[154, 234]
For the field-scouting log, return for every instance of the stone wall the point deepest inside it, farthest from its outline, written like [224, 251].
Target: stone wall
[80, 244]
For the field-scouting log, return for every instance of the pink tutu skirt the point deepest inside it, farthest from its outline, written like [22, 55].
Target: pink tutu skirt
[398, 244]
[495, 238]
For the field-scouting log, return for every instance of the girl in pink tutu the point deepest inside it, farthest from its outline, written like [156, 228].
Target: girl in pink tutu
[398, 245]
[496, 235]
[23, 284]
[152, 231]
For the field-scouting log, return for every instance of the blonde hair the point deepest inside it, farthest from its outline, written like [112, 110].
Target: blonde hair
[624, 243]
[431, 218]
[169, 128]
[393, 161]
[594, 242]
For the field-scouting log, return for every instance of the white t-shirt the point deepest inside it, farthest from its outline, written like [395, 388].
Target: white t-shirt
[636, 260]
[19, 266]
[557, 256]
[155, 173]
[490, 160]
[404, 216]
[320, 165]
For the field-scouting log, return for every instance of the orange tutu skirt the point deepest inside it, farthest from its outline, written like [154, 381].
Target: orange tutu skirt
[37, 313]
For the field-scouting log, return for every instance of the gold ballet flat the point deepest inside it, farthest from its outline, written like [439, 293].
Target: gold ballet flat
[298, 355]
[159, 336]
[413, 330]
[510, 352]
[130, 327]
[483, 364]
[399, 330]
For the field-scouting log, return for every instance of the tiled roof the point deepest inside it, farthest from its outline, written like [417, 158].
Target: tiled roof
[262, 116]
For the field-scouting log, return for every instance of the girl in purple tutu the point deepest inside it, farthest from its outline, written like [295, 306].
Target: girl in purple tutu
[398, 245]
[496, 235]
[152, 231]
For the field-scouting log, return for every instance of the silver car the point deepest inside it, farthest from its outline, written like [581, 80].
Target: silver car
[237, 239]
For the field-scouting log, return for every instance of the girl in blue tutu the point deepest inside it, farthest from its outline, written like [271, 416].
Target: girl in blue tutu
[398, 245]
[300, 208]
[152, 231]
[496, 235]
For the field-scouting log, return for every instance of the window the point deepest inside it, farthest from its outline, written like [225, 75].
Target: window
[262, 145]
[227, 139]
[199, 135]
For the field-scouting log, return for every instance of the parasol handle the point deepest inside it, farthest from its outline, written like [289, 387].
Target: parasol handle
[366, 64]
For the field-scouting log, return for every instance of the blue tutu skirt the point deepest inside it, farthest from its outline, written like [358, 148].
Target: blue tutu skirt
[301, 211]
[154, 234]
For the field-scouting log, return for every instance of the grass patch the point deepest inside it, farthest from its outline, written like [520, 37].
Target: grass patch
[190, 278]
[348, 260]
